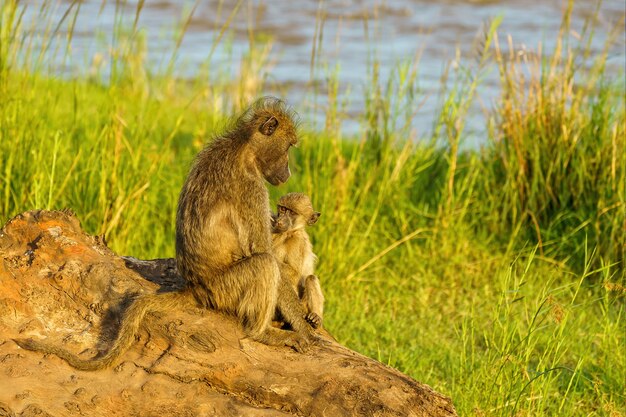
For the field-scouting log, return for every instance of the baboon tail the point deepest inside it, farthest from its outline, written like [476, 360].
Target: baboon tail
[133, 317]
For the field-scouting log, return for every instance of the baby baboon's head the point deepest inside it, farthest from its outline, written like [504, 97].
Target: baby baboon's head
[295, 211]
[271, 129]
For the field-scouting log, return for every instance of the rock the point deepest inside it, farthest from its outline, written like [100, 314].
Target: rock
[60, 284]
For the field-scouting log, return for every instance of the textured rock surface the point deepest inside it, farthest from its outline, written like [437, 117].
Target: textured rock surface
[58, 283]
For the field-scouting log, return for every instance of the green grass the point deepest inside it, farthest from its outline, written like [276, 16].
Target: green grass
[494, 275]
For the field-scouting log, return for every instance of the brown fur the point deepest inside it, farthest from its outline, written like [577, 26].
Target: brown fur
[294, 252]
[223, 238]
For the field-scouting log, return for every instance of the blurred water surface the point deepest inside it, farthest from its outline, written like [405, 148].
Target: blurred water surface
[348, 38]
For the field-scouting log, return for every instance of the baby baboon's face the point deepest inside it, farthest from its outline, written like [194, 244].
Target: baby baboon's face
[283, 220]
[294, 212]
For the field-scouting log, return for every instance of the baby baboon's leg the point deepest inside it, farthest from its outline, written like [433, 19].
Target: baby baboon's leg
[249, 289]
[313, 299]
[292, 309]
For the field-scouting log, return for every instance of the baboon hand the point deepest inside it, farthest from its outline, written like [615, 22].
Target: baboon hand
[314, 320]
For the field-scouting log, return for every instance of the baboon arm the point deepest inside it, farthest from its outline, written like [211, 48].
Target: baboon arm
[289, 274]
[312, 295]
[291, 308]
[223, 226]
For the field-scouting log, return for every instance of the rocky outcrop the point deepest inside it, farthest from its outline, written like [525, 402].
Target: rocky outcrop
[60, 284]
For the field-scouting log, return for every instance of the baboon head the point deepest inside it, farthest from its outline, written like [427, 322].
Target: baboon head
[271, 130]
[295, 211]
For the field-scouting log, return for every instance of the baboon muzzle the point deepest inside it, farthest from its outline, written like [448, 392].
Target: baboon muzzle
[280, 177]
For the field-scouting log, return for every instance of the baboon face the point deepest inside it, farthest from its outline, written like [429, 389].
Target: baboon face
[273, 138]
[294, 212]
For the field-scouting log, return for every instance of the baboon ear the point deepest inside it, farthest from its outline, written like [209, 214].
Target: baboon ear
[313, 219]
[269, 126]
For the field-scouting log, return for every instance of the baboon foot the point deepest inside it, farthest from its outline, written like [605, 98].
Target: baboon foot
[298, 343]
[314, 339]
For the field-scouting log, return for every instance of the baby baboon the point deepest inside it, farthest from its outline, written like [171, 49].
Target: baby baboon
[223, 234]
[294, 252]
[223, 237]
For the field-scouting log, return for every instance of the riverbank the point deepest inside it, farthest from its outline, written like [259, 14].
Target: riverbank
[495, 275]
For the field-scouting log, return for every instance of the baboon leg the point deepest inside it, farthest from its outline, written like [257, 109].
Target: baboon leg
[313, 299]
[250, 289]
[292, 309]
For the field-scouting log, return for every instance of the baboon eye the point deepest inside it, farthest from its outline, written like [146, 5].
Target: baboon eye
[269, 127]
[282, 210]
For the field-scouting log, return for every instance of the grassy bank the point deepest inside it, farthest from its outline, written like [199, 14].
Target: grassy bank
[494, 275]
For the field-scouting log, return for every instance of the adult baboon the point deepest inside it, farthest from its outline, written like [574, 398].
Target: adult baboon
[294, 252]
[223, 237]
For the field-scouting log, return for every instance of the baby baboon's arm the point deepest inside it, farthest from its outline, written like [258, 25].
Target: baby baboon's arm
[292, 310]
[313, 298]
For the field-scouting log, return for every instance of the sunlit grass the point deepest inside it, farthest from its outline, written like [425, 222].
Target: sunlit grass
[494, 275]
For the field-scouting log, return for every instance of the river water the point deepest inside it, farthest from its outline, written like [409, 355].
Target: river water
[354, 34]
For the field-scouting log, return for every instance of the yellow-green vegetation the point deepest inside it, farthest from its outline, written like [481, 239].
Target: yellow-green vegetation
[494, 275]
